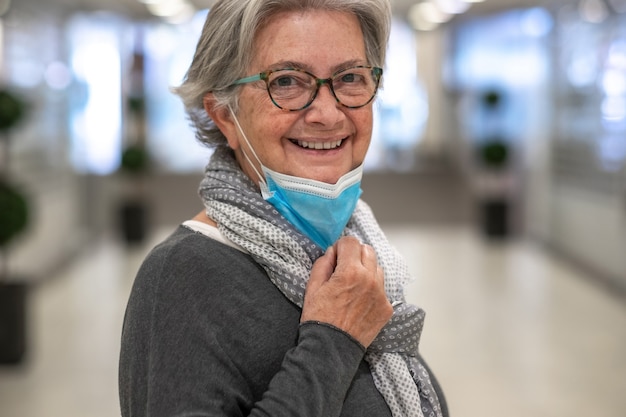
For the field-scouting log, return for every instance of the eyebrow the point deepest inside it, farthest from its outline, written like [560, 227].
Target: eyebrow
[299, 65]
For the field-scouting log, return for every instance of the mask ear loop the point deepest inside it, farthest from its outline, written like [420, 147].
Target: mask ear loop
[262, 183]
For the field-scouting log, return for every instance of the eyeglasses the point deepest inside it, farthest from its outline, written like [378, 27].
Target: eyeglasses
[294, 89]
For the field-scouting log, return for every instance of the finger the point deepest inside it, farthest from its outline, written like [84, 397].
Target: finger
[348, 255]
[348, 248]
[322, 269]
[368, 257]
[380, 273]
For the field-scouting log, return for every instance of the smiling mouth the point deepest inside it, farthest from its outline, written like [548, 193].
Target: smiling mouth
[319, 145]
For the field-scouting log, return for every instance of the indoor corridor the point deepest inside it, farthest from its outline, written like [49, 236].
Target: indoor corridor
[510, 330]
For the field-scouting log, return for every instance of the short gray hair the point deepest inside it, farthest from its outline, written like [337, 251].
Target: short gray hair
[224, 50]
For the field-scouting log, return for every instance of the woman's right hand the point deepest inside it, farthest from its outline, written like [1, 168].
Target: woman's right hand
[346, 289]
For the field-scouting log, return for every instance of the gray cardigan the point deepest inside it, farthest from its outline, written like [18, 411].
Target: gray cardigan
[207, 334]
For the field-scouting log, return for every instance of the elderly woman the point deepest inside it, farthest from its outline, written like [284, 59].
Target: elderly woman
[282, 297]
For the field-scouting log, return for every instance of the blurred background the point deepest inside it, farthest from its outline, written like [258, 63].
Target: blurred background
[497, 166]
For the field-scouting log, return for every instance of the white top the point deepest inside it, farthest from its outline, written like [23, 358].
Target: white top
[212, 232]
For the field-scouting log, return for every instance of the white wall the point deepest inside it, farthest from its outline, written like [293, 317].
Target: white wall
[591, 227]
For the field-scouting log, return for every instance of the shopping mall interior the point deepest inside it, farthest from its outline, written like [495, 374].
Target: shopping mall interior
[497, 167]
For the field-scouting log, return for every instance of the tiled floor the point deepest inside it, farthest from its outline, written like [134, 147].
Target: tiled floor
[510, 332]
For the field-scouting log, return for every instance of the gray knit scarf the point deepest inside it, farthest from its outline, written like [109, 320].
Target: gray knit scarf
[245, 218]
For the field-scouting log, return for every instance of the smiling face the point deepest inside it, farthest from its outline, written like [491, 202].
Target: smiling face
[322, 142]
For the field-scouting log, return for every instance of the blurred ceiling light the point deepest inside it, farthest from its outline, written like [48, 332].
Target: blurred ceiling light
[170, 8]
[183, 17]
[429, 12]
[474, 1]
[593, 11]
[165, 7]
[452, 6]
[614, 82]
[418, 19]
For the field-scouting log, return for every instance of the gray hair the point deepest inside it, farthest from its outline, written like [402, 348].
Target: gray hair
[224, 50]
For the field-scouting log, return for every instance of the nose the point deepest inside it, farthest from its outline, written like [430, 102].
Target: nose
[325, 108]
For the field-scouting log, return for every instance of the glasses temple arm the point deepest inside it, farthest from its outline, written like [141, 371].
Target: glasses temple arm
[247, 80]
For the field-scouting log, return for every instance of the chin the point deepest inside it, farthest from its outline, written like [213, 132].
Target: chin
[330, 177]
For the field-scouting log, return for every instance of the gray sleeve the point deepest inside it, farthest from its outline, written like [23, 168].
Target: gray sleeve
[225, 346]
[315, 375]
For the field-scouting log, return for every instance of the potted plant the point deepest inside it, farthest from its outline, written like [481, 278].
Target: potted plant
[134, 164]
[14, 216]
[133, 210]
[493, 154]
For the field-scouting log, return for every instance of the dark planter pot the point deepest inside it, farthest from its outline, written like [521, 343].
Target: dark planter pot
[13, 299]
[495, 218]
[133, 221]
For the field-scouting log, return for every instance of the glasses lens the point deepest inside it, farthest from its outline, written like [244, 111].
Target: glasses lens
[355, 87]
[290, 89]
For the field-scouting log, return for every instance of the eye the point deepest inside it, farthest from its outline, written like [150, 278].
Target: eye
[284, 79]
[349, 78]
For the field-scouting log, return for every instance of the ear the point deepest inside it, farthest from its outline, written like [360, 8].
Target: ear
[223, 120]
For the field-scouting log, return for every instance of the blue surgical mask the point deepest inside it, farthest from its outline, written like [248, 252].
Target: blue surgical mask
[319, 210]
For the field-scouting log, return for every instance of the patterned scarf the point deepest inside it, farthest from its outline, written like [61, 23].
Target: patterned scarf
[245, 218]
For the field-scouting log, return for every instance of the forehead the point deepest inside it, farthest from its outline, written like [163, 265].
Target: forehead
[316, 40]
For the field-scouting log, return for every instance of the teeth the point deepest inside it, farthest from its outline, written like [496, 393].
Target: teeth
[320, 145]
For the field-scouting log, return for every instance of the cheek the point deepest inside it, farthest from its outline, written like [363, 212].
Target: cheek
[256, 99]
[251, 115]
[364, 130]
[264, 125]
[364, 126]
